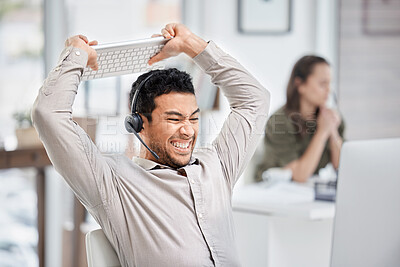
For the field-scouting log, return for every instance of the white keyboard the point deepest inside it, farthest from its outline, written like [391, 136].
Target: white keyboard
[121, 58]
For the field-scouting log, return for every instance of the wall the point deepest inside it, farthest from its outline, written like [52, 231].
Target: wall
[269, 58]
[369, 87]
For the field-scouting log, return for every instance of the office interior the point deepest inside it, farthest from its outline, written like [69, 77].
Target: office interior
[359, 38]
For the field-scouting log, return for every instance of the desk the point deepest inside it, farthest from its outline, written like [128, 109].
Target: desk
[282, 231]
[37, 158]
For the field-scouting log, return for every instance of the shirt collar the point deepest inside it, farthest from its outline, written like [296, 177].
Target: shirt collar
[149, 164]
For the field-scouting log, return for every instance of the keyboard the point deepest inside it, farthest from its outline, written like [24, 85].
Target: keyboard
[128, 57]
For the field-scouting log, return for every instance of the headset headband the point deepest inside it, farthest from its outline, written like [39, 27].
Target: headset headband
[136, 95]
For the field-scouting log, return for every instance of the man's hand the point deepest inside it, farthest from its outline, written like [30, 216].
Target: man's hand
[183, 41]
[81, 41]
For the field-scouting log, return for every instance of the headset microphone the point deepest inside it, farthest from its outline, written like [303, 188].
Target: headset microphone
[133, 122]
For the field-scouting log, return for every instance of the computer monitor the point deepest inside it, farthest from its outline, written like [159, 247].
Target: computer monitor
[367, 223]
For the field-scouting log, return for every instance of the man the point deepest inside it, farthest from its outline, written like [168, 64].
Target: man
[174, 211]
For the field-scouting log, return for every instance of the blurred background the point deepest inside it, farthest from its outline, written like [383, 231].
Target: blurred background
[360, 39]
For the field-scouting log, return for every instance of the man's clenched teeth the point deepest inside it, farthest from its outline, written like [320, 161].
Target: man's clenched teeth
[180, 145]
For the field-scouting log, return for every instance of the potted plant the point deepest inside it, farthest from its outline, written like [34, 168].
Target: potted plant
[25, 132]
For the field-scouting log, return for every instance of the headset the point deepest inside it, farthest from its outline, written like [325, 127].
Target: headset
[133, 121]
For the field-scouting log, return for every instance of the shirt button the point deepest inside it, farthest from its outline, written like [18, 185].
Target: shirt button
[77, 53]
[200, 215]
[212, 249]
[192, 181]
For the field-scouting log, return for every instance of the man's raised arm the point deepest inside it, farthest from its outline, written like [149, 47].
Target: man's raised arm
[69, 148]
[248, 99]
[249, 102]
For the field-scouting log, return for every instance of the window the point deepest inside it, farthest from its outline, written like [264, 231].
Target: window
[22, 72]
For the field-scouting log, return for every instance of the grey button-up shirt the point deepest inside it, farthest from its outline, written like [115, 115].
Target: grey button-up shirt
[154, 215]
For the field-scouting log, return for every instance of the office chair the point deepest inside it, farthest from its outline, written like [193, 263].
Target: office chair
[99, 251]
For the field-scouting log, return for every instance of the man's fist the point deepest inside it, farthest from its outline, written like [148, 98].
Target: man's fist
[81, 41]
[183, 41]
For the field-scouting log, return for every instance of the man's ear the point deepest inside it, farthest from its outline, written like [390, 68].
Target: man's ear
[145, 123]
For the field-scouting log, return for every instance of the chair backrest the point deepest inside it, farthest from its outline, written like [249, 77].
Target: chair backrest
[99, 251]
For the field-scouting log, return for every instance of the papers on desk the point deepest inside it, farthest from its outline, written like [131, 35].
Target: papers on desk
[282, 193]
[282, 199]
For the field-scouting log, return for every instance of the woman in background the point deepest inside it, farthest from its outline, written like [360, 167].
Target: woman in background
[304, 135]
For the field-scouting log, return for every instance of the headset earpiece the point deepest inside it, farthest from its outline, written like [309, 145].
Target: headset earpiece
[133, 122]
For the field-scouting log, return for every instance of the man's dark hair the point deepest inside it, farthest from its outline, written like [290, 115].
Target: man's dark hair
[161, 82]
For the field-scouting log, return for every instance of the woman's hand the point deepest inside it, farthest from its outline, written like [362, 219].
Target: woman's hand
[328, 121]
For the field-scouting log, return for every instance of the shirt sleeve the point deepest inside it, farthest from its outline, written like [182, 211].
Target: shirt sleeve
[69, 148]
[249, 103]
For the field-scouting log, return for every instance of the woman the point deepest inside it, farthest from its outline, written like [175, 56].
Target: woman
[304, 135]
